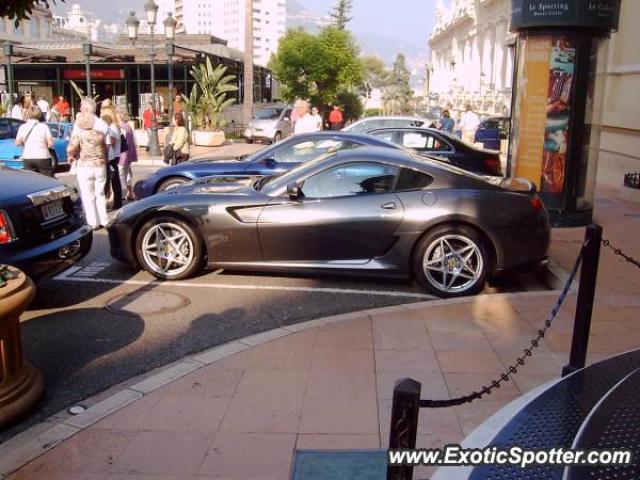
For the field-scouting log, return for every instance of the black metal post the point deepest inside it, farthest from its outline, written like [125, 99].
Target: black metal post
[404, 424]
[586, 293]
[170, 52]
[87, 49]
[154, 142]
[8, 51]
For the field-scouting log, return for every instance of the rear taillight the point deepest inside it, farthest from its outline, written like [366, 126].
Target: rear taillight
[536, 203]
[6, 230]
[493, 166]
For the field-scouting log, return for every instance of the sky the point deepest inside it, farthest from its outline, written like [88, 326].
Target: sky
[410, 21]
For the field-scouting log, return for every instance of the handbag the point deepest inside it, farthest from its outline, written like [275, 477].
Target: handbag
[169, 154]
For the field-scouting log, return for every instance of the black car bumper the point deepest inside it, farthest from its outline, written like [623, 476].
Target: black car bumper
[53, 257]
[120, 243]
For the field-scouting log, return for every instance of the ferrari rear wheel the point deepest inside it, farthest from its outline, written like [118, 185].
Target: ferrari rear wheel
[169, 249]
[451, 262]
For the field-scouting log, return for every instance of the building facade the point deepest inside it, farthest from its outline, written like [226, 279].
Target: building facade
[226, 19]
[620, 137]
[39, 27]
[472, 57]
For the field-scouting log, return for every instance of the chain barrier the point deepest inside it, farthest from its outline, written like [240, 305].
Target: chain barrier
[619, 253]
[520, 361]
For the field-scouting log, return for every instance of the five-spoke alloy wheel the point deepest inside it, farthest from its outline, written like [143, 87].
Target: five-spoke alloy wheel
[169, 248]
[451, 262]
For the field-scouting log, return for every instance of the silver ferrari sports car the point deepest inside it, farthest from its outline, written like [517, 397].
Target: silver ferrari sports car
[364, 210]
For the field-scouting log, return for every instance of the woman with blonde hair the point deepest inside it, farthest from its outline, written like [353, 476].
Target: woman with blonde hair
[128, 154]
[37, 140]
[180, 140]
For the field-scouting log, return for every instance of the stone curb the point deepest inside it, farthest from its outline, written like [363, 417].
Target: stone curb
[33, 442]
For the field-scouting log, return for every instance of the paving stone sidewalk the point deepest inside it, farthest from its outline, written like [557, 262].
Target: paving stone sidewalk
[329, 384]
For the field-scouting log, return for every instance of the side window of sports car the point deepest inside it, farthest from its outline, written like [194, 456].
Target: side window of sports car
[410, 179]
[351, 179]
[304, 151]
[5, 130]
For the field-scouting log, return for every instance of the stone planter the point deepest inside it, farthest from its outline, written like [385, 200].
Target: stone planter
[207, 138]
[21, 385]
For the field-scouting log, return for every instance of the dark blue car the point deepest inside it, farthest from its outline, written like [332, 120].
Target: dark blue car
[273, 160]
[492, 131]
[42, 226]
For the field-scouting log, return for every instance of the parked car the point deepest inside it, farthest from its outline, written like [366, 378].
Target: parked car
[372, 123]
[9, 127]
[430, 141]
[42, 225]
[11, 154]
[492, 131]
[273, 160]
[372, 210]
[271, 124]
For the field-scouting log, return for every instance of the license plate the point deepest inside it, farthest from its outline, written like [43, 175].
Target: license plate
[52, 210]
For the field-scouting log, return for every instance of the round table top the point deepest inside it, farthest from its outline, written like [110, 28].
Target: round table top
[15, 284]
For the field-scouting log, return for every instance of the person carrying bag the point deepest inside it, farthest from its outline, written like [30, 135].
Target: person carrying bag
[37, 140]
[177, 148]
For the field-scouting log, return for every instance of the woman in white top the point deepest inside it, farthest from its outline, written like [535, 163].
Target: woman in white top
[37, 140]
[18, 110]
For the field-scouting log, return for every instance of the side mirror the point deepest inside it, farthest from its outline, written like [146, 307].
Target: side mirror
[294, 191]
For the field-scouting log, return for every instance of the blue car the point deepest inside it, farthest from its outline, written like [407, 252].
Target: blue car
[492, 131]
[10, 153]
[273, 160]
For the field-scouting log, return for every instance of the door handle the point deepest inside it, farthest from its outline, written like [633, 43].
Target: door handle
[388, 205]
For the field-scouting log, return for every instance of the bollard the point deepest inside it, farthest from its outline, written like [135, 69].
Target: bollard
[586, 293]
[404, 424]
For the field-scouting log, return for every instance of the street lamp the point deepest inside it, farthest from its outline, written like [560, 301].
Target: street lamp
[170, 32]
[133, 23]
[7, 49]
[87, 50]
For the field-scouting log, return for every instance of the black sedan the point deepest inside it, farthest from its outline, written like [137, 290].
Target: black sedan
[363, 210]
[42, 226]
[274, 160]
[430, 141]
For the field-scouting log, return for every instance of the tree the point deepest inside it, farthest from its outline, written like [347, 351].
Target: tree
[397, 95]
[376, 73]
[316, 67]
[22, 9]
[340, 13]
[349, 100]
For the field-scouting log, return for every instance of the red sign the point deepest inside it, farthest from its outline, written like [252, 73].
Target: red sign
[109, 74]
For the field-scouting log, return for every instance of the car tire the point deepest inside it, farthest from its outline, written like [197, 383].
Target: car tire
[183, 251]
[277, 137]
[171, 183]
[451, 261]
[250, 140]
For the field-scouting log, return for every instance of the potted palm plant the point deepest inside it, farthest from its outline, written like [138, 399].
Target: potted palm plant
[207, 101]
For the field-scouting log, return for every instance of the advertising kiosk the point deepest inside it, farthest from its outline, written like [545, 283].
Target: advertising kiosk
[557, 101]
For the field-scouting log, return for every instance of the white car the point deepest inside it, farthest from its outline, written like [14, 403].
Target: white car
[270, 123]
[374, 123]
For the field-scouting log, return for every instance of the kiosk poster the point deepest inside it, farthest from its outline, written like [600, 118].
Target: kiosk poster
[561, 70]
[545, 87]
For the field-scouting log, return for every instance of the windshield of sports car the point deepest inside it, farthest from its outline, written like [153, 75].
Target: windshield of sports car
[270, 185]
[268, 114]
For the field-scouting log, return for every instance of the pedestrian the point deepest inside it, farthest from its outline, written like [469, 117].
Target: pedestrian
[113, 157]
[178, 105]
[305, 122]
[446, 122]
[147, 121]
[43, 105]
[295, 114]
[335, 118]
[63, 108]
[316, 115]
[469, 124]
[37, 140]
[53, 115]
[87, 150]
[180, 140]
[128, 154]
[18, 110]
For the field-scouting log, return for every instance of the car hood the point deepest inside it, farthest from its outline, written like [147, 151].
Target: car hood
[240, 186]
[194, 166]
[17, 183]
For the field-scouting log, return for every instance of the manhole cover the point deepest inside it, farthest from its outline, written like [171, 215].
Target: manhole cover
[147, 302]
